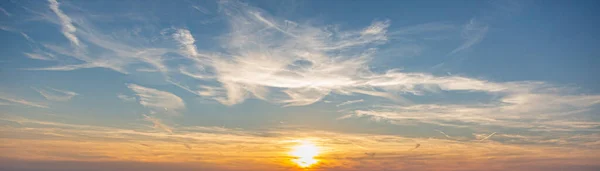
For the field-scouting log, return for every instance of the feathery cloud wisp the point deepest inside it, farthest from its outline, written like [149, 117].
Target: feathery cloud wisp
[156, 99]
[68, 29]
[5, 12]
[56, 94]
[483, 139]
[350, 102]
[47, 57]
[158, 124]
[126, 98]
[473, 32]
[17, 101]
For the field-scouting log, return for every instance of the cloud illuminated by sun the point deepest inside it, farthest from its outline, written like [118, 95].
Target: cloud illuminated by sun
[305, 152]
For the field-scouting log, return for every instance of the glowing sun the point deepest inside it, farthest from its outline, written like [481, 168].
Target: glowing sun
[305, 153]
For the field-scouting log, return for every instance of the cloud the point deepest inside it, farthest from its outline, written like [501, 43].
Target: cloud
[489, 136]
[201, 9]
[305, 62]
[159, 101]
[277, 60]
[68, 29]
[443, 133]
[117, 50]
[5, 12]
[56, 94]
[126, 98]
[16, 101]
[350, 102]
[300, 63]
[528, 110]
[38, 56]
[473, 32]
[158, 124]
[185, 38]
[422, 28]
[50, 141]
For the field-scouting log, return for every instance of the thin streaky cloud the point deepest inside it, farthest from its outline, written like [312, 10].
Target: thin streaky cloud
[473, 32]
[68, 29]
[350, 102]
[443, 133]
[18, 101]
[5, 12]
[56, 94]
[158, 124]
[39, 56]
[126, 98]
[489, 136]
[27, 37]
[422, 28]
[519, 110]
[201, 9]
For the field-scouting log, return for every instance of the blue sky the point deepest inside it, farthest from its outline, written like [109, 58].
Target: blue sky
[491, 77]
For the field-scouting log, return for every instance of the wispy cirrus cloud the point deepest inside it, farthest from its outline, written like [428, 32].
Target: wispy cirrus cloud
[68, 29]
[157, 100]
[56, 94]
[5, 12]
[300, 63]
[306, 63]
[350, 102]
[38, 56]
[9, 100]
[473, 32]
[528, 111]
[126, 98]
[158, 124]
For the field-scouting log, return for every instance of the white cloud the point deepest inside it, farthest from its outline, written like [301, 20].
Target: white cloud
[525, 110]
[126, 98]
[201, 9]
[304, 62]
[5, 12]
[350, 102]
[56, 94]
[279, 61]
[473, 33]
[38, 56]
[159, 101]
[158, 124]
[68, 29]
[185, 38]
[8, 100]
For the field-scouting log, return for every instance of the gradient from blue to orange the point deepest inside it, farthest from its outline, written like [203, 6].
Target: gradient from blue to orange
[246, 85]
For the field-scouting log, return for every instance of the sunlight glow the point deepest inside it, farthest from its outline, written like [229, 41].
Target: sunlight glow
[305, 153]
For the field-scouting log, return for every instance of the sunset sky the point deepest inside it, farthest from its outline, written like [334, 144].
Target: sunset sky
[299, 85]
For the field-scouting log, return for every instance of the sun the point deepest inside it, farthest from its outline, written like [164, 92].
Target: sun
[304, 154]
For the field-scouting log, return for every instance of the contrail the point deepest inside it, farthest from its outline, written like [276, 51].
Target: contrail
[487, 137]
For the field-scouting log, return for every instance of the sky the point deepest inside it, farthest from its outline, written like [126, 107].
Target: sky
[299, 85]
